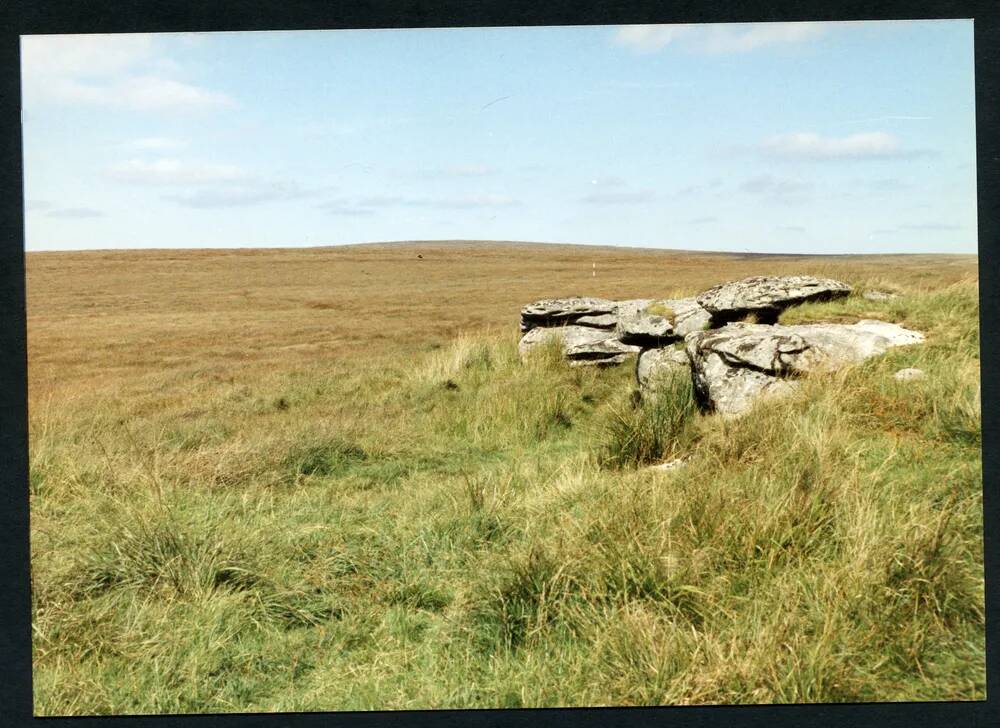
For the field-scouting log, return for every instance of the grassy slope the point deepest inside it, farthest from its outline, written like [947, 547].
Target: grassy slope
[452, 530]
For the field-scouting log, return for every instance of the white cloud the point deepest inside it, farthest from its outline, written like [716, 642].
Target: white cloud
[176, 172]
[243, 194]
[738, 39]
[648, 38]
[117, 71]
[139, 93]
[810, 146]
[154, 144]
[149, 93]
[205, 184]
[717, 38]
[82, 55]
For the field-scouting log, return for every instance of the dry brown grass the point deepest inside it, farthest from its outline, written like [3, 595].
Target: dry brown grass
[105, 319]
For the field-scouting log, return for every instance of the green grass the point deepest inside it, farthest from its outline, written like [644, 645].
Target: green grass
[469, 531]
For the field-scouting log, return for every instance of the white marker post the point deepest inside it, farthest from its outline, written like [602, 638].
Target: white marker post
[593, 273]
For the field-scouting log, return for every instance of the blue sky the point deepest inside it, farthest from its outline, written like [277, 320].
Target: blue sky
[786, 137]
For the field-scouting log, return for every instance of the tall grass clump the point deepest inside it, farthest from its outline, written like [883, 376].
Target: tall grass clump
[637, 432]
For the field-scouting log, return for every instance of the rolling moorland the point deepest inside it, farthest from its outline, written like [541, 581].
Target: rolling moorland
[322, 479]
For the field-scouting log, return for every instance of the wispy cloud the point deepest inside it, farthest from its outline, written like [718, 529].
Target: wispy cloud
[459, 202]
[74, 212]
[461, 170]
[814, 147]
[714, 38]
[83, 55]
[115, 71]
[636, 197]
[48, 209]
[138, 93]
[154, 144]
[206, 185]
[367, 205]
[917, 227]
[713, 185]
[608, 181]
[766, 184]
[244, 194]
[345, 207]
[931, 226]
[176, 172]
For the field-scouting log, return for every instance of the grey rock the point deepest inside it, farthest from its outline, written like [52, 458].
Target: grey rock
[561, 311]
[905, 375]
[581, 345]
[734, 365]
[606, 352]
[603, 321]
[689, 316]
[637, 324]
[655, 364]
[766, 296]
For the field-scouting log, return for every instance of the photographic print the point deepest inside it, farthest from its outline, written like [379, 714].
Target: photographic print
[503, 367]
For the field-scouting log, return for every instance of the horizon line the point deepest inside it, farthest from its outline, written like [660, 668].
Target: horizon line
[468, 241]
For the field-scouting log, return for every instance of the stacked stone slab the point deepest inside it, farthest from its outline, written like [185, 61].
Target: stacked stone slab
[731, 362]
[583, 311]
[766, 296]
[597, 331]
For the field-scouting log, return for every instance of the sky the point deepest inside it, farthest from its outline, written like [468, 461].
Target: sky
[774, 137]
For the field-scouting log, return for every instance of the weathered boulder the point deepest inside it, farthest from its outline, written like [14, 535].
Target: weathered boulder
[562, 311]
[654, 365]
[580, 344]
[734, 365]
[766, 296]
[606, 352]
[689, 316]
[643, 323]
[648, 322]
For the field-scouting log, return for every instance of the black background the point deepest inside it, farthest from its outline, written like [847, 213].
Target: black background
[107, 16]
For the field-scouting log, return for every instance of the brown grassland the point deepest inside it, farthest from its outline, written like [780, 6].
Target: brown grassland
[320, 479]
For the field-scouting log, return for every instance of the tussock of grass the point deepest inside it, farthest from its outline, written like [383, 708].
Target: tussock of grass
[638, 433]
[388, 540]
